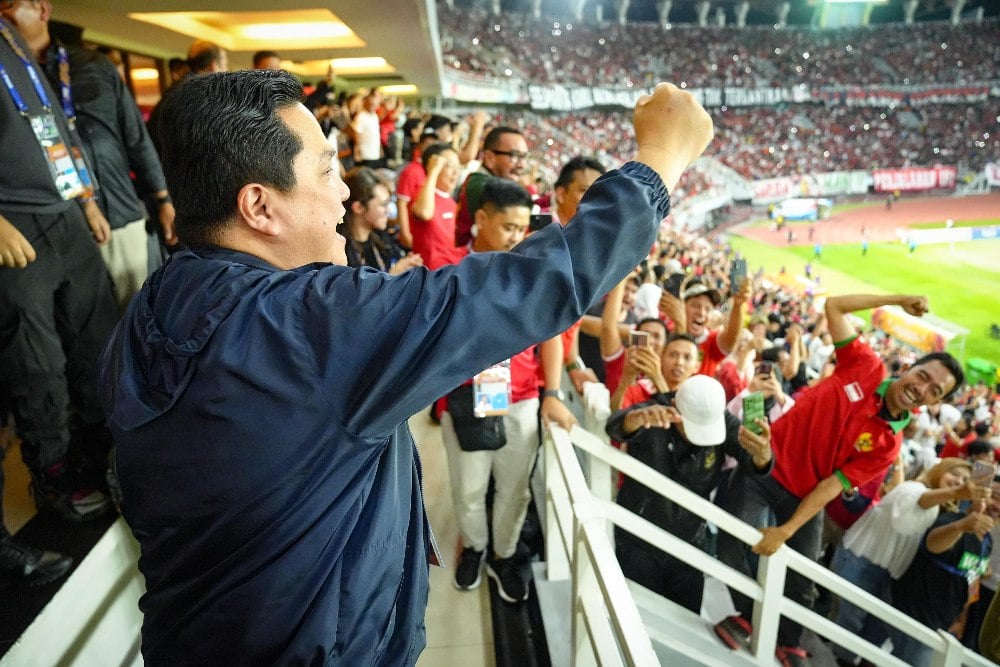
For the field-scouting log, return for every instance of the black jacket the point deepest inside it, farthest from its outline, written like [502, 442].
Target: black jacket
[112, 131]
[697, 468]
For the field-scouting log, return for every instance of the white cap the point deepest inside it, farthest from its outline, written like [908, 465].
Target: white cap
[701, 400]
[673, 266]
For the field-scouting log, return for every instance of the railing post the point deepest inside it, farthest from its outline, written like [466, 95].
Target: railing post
[771, 574]
[556, 560]
[952, 656]
[583, 574]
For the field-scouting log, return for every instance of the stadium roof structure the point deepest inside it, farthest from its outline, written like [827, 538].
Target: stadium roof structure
[760, 12]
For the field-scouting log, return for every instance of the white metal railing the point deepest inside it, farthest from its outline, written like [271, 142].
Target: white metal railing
[580, 518]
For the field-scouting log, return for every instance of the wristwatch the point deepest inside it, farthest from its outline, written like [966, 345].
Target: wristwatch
[557, 393]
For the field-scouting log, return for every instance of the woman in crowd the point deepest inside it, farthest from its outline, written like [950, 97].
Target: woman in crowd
[364, 226]
[881, 545]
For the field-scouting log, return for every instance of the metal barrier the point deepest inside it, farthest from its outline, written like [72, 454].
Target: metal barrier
[580, 517]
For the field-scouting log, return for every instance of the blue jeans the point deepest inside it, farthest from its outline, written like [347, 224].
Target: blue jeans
[762, 501]
[909, 650]
[869, 577]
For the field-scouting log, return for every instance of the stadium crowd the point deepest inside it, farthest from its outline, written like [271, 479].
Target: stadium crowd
[636, 54]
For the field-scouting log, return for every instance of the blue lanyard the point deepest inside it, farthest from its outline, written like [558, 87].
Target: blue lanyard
[32, 72]
[984, 552]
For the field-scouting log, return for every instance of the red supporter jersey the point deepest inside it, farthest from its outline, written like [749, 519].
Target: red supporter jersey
[567, 339]
[836, 426]
[711, 355]
[614, 366]
[639, 391]
[411, 179]
[434, 239]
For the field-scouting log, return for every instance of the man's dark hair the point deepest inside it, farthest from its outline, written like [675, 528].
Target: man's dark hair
[982, 429]
[680, 336]
[261, 56]
[949, 362]
[202, 54]
[978, 447]
[501, 193]
[434, 149]
[219, 132]
[492, 140]
[657, 320]
[579, 163]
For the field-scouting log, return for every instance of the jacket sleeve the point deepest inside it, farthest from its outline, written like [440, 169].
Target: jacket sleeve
[142, 156]
[414, 337]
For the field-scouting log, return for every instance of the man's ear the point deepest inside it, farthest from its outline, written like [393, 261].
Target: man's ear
[46, 10]
[357, 207]
[255, 209]
[559, 193]
[480, 217]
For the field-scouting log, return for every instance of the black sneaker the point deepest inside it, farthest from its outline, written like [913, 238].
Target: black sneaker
[734, 631]
[54, 491]
[510, 583]
[792, 656]
[468, 574]
[21, 565]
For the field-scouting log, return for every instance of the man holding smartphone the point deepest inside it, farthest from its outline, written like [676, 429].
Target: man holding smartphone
[842, 433]
[691, 314]
[686, 436]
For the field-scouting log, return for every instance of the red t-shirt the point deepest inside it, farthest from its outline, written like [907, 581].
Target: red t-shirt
[567, 338]
[613, 368]
[410, 180]
[711, 354]
[730, 379]
[434, 239]
[639, 391]
[956, 451]
[836, 426]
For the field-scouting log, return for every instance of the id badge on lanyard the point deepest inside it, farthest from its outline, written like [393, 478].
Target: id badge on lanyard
[491, 392]
[63, 161]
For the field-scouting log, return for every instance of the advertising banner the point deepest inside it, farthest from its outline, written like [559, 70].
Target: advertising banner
[993, 174]
[910, 179]
[911, 330]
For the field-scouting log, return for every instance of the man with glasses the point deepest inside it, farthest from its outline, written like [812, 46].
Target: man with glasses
[505, 155]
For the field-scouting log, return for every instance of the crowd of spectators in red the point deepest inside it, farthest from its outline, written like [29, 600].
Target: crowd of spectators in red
[640, 54]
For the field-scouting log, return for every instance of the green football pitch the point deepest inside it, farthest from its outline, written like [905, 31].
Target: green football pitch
[960, 280]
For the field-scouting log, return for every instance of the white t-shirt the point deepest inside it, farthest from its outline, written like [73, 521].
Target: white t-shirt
[365, 123]
[647, 301]
[889, 533]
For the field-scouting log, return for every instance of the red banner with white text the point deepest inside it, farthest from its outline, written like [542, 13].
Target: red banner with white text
[910, 179]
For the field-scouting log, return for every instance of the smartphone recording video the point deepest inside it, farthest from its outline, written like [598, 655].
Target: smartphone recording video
[638, 339]
[982, 473]
[737, 274]
[673, 284]
[753, 409]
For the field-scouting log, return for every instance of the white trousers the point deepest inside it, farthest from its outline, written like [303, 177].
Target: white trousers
[510, 467]
[126, 255]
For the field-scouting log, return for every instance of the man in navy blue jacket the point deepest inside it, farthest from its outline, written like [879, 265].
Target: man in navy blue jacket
[258, 389]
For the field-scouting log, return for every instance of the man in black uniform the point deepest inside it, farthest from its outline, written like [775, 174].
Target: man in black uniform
[56, 304]
[685, 436]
